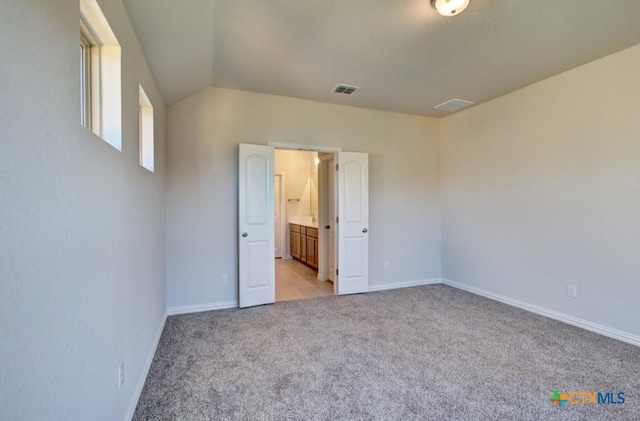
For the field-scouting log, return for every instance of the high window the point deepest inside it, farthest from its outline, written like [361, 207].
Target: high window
[100, 75]
[146, 131]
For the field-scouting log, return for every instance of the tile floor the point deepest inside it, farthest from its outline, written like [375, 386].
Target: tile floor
[295, 281]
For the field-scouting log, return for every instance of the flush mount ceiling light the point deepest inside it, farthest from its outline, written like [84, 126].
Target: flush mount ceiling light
[450, 7]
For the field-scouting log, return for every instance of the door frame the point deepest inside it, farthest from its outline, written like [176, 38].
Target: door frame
[283, 210]
[301, 147]
[322, 217]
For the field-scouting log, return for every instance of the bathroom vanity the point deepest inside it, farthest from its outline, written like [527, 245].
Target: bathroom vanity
[303, 242]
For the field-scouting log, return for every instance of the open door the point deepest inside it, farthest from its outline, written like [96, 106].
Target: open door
[256, 225]
[353, 223]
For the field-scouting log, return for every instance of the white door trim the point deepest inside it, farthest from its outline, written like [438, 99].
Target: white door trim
[322, 221]
[283, 217]
[310, 148]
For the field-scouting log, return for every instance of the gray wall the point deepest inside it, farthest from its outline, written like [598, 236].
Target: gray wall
[541, 188]
[203, 133]
[82, 225]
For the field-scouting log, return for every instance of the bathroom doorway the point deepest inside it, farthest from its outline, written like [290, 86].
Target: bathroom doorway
[256, 228]
[302, 225]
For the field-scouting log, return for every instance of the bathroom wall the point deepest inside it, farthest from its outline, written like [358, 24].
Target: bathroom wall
[301, 183]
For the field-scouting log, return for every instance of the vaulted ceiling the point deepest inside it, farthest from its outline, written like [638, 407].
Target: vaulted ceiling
[405, 56]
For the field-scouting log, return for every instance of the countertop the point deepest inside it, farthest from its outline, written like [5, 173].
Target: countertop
[305, 224]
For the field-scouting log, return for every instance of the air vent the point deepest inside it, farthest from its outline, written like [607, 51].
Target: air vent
[346, 89]
[454, 104]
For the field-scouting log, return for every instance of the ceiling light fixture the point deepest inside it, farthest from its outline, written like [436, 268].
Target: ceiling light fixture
[450, 7]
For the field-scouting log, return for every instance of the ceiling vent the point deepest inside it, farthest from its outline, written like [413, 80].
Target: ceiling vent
[454, 104]
[346, 89]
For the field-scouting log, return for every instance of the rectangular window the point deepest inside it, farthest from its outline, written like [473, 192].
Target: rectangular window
[100, 75]
[146, 131]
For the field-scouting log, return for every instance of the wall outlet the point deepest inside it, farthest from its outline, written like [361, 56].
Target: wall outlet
[121, 376]
[224, 280]
[387, 266]
[572, 290]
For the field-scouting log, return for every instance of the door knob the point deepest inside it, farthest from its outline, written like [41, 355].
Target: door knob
[327, 227]
[244, 234]
[365, 230]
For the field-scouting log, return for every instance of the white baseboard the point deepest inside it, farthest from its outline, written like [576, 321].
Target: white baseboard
[394, 285]
[197, 308]
[145, 372]
[552, 314]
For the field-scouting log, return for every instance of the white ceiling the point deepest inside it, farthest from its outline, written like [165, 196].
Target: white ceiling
[405, 56]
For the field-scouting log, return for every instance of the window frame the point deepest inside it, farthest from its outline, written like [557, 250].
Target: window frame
[87, 43]
[146, 131]
[101, 75]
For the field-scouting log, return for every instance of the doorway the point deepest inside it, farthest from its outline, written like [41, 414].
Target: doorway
[301, 253]
[256, 230]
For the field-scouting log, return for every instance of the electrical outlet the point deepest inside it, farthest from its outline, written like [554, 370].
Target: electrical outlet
[121, 376]
[572, 291]
[224, 280]
[387, 266]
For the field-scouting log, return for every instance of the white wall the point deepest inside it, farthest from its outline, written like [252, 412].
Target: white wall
[82, 225]
[541, 188]
[203, 133]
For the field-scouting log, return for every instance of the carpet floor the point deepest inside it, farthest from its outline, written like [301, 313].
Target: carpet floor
[422, 353]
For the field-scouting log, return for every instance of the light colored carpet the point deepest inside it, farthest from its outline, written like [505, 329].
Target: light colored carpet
[420, 353]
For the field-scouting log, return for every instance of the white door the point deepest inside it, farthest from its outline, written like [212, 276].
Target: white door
[277, 185]
[331, 217]
[353, 222]
[256, 226]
